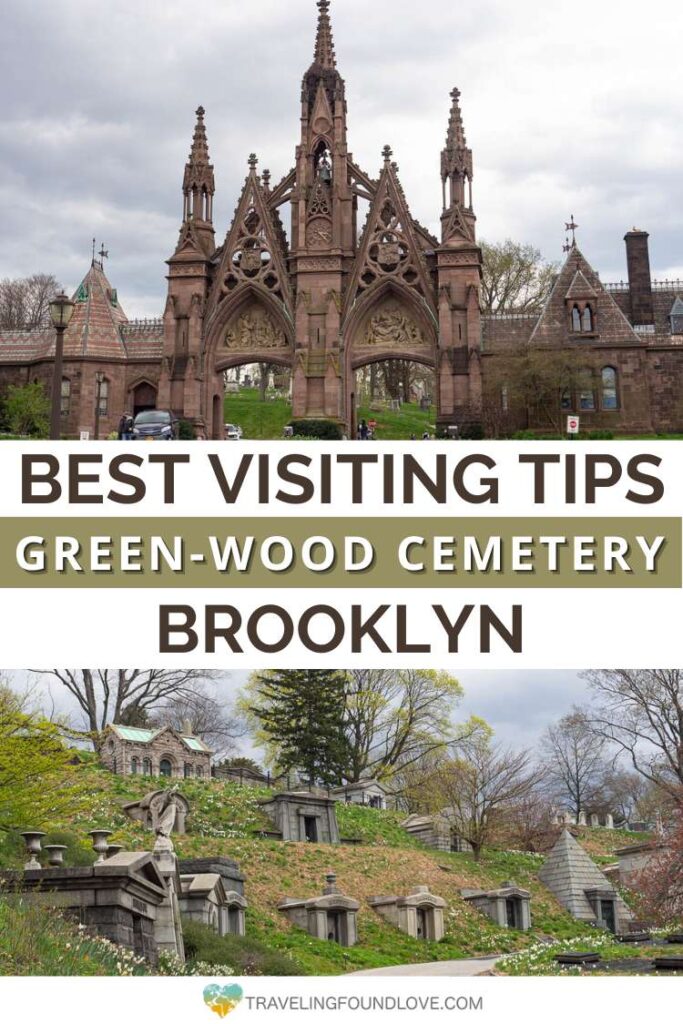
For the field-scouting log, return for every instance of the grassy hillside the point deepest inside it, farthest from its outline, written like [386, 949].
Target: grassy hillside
[225, 820]
[266, 420]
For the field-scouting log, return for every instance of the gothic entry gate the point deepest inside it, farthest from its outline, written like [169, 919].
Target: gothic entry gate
[388, 325]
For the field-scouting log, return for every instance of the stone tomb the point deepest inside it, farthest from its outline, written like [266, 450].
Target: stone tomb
[509, 907]
[367, 792]
[420, 914]
[212, 892]
[121, 899]
[582, 888]
[304, 817]
[331, 916]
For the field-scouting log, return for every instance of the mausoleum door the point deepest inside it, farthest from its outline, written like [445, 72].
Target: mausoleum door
[421, 923]
[311, 829]
[511, 913]
[608, 915]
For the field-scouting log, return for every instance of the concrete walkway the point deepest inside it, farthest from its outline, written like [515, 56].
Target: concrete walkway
[436, 969]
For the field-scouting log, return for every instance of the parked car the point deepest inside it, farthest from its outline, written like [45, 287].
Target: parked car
[155, 425]
[233, 432]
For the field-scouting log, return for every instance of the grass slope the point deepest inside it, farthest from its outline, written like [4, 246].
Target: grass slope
[225, 820]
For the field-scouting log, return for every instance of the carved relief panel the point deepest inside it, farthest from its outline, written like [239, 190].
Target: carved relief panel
[254, 329]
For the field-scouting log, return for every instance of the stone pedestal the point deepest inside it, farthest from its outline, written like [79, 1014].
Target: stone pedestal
[167, 929]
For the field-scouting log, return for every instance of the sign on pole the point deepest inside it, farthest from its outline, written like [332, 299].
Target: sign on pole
[573, 424]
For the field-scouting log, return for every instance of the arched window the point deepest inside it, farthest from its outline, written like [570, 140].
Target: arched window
[146, 766]
[610, 395]
[104, 398]
[66, 396]
[576, 320]
[199, 771]
[187, 770]
[165, 768]
[587, 391]
[134, 766]
[587, 320]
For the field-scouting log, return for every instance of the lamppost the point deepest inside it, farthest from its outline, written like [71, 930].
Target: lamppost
[99, 377]
[61, 310]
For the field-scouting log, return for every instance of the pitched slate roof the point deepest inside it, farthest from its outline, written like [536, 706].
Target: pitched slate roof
[97, 318]
[553, 324]
[580, 288]
[569, 872]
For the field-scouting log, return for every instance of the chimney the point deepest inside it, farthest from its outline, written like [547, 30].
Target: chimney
[639, 280]
[187, 727]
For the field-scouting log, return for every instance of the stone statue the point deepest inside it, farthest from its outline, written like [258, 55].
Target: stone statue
[150, 811]
[167, 813]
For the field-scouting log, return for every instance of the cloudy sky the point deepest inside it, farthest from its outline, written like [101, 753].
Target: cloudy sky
[518, 705]
[571, 106]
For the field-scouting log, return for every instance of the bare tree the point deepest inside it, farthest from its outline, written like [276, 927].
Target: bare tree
[24, 301]
[573, 760]
[107, 695]
[515, 278]
[528, 822]
[480, 782]
[219, 725]
[641, 713]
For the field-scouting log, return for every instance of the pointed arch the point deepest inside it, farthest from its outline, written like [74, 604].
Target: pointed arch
[276, 324]
[415, 340]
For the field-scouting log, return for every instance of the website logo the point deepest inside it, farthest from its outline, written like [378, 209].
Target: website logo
[223, 999]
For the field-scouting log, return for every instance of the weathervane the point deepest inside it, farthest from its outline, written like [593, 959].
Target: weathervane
[571, 226]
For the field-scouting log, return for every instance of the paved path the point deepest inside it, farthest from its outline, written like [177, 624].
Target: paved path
[436, 969]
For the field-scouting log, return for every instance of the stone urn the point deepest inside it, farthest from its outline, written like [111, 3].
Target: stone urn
[113, 849]
[32, 840]
[99, 843]
[55, 855]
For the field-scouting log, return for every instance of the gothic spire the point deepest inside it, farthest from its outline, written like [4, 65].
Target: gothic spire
[456, 175]
[324, 44]
[198, 182]
[455, 139]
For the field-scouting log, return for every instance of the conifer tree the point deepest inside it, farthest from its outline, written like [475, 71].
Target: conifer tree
[302, 712]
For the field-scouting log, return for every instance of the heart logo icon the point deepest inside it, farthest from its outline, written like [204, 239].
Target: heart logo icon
[223, 999]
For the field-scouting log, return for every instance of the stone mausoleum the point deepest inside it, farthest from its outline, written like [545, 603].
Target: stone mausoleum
[419, 914]
[331, 916]
[582, 888]
[508, 907]
[303, 817]
[320, 292]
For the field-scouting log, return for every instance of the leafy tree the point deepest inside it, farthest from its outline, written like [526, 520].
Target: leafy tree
[26, 410]
[574, 761]
[397, 717]
[302, 715]
[515, 278]
[24, 301]
[640, 712]
[535, 380]
[37, 783]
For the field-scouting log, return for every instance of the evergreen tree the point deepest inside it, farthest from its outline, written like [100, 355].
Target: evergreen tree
[302, 712]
